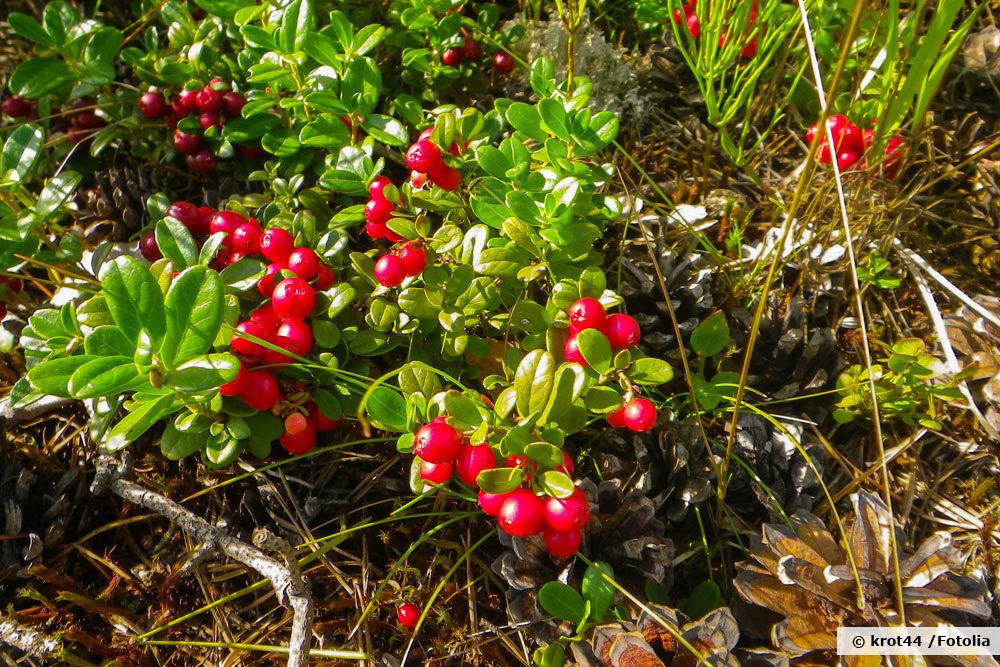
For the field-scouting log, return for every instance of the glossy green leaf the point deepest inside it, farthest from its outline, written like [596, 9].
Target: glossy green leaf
[387, 409]
[176, 445]
[555, 483]
[599, 592]
[133, 297]
[52, 377]
[144, 411]
[225, 9]
[21, 152]
[104, 376]
[500, 480]
[416, 378]
[651, 371]
[176, 243]
[595, 349]
[203, 373]
[194, 309]
[56, 192]
[40, 76]
[561, 601]
[526, 119]
[29, 28]
[533, 382]
[296, 24]
[711, 336]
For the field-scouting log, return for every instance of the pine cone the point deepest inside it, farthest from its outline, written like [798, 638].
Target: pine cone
[115, 207]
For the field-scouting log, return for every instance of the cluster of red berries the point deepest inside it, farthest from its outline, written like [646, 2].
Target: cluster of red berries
[213, 105]
[378, 212]
[850, 143]
[83, 122]
[622, 332]
[19, 107]
[405, 261]
[689, 17]
[471, 51]
[8, 284]
[424, 157]
[443, 453]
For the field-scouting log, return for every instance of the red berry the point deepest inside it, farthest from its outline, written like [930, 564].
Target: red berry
[562, 544]
[417, 180]
[293, 299]
[571, 351]
[235, 386]
[295, 336]
[867, 137]
[320, 421]
[376, 230]
[522, 513]
[299, 443]
[148, 247]
[266, 284]
[436, 473]
[277, 244]
[847, 159]
[490, 503]
[226, 221]
[503, 63]
[851, 140]
[408, 615]
[324, 278]
[379, 211]
[295, 423]
[750, 50]
[261, 391]
[616, 418]
[693, 23]
[586, 313]
[187, 214]
[471, 49]
[245, 345]
[186, 144]
[414, 259]
[186, 102]
[565, 514]
[437, 442]
[451, 57]
[153, 106]
[16, 107]
[246, 239]
[567, 464]
[203, 161]
[267, 317]
[622, 331]
[893, 157]
[472, 460]
[445, 177]
[389, 271]
[233, 103]
[640, 414]
[207, 120]
[208, 100]
[377, 186]
[304, 263]
[423, 156]
[251, 152]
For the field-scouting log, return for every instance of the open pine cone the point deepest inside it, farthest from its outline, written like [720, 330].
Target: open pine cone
[806, 579]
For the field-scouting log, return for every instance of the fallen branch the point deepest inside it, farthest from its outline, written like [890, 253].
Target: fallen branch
[32, 642]
[31, 410]
[291, 588]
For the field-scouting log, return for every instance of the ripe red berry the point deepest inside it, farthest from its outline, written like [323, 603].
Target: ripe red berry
[414, 259]
[491, 503]
[389, 271]
[451, 57]
[202, 161]
[616, 418]
[565, 514]
[261, 391]
[235, 386]
[437, 442]
[208, 100]
[417, 180]
[378, 211]
[320, 421]
[693, 23]
[377, 186]
[324, 278]
[148, 247]
[847, 159]
[293, 299]
[266, 284]
[472, 460]
[295, 423]
[640, 414]
[423, 156]
[851, 139]
[207, 120]
[295, 336]
[186, 144]
[186, 102]
[16, 107]
[277, 244]
[251, 152]
[153, 106]
[187, 214]
[471, 49]
[246, 239]
[562, 544]
[267, 317]
[571, 350]
[567, 464]
[233, 103]
[226, 221]
[522, 513]
[304, 263]
[436, 473]
[622, 331]
[750, 50]
[298, 443]
[246, 346]
[503, 63]
[586, 313]
[445, 177]
[408, 615]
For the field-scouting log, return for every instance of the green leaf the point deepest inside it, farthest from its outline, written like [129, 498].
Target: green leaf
[561, 601]
[40, 76]
[21, 152]
[225, 9]
[52, 377]
[500, 480]
[55, 193]
[104, 376]
[595, 349]
[144, 411]
[387, 409]
[387, 130]
[416, 378]
[533, 382]
[243, 276]
[341, 296]
[704, 598]
[367, 39]
[598, 591]
[554, 117]
[194, 308]
[296, 24]
[651, 371]
[134, 298]
[176, 243]
[711, 336]
[29, 28]
[203, 373]
[325, 131]
[553, 655]
[242, 130]
[526, 119]
[108, 341]
[463, 409]
[176, 445]
[554, 483]
[569, 383]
